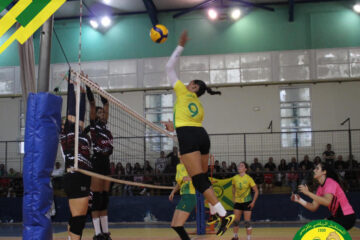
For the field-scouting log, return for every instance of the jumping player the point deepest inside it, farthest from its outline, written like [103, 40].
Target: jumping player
[76, 185]
[194, 142]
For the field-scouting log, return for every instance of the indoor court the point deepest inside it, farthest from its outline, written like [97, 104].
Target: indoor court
[152, 119]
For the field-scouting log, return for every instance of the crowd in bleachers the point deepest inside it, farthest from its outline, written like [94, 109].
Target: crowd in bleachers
[289, 173]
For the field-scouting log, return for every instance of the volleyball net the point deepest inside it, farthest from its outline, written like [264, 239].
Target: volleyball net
[135, 138]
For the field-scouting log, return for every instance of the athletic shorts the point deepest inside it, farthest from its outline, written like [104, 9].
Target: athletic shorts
[242, 206]
[187, 203]
[77, 185]
[192, 139]
[347, 221]
[101, 164]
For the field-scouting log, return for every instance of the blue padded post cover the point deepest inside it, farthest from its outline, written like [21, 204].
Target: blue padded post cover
[43, 124]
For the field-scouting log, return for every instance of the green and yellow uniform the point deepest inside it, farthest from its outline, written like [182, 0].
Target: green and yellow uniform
[188, 110]
[243, 185]
[187, 190]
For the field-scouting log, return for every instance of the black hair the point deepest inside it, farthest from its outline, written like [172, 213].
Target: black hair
[203, 88]
[331, 173]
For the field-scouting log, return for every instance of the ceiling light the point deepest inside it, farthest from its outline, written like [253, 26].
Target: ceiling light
[212, 13]
[235, 14]
[107, 1]
[94, 23]
[357, 8]
[105, 21]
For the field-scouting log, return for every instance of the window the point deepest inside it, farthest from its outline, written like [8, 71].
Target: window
[295, 115]
[158, 107]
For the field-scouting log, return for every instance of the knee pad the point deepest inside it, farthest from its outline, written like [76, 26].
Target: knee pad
[105, 200]
[77, 224]
[97, 201]
[201, 182]
[247, 225]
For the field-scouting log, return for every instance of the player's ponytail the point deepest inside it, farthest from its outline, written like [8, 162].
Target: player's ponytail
[203, 88]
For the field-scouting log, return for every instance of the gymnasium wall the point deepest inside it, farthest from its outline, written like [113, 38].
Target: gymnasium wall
[316, 25]
[248, 109]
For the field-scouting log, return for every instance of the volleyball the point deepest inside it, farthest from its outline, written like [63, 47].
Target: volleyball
[159, 33]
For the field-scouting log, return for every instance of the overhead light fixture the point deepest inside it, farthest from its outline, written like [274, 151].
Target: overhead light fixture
[235, 14]
[94, 23]
[212, 14]
[356, 8]
[105, 21]
[107, 1]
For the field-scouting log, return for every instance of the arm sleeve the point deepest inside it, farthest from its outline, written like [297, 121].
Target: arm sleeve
[170, 66]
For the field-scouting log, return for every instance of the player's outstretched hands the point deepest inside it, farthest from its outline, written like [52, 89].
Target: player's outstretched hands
[183, 38]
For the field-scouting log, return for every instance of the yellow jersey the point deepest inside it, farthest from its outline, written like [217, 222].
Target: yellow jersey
[188, 110]
[243, 185]
[185, 187]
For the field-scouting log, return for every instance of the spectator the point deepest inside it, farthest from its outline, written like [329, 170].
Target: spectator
[329, 155]
[3, 172]
[232, 168]
[351, 163]
[12, 173]
[224, 170]
[293, 164]
[137, 169]
[292, 178]
[339, 162]
[317, 160]
[304, 176]
[341, 171]
[283, 167]
[173, 160]
[308, 164]
[270, 165]
[256, 165]
[128, 176]
[217, 166]
[58, 171]
[259, 179]
[161, 163]
[119, 173]
[119, 170]
[148, 170]
[112, 169]
[268, 179]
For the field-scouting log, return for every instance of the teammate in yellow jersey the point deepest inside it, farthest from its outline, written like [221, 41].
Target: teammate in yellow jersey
[187, 202]
[243, 201]
[194, 142]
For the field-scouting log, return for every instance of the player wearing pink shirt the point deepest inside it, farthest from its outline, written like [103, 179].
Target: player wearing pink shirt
[329, 194]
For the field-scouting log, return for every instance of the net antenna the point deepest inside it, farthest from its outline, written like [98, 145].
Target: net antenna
[76, 151]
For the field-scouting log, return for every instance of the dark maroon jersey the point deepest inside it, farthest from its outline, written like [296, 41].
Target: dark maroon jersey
[67, 138]
[101, 138]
